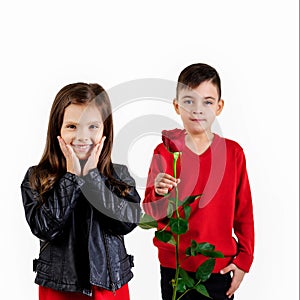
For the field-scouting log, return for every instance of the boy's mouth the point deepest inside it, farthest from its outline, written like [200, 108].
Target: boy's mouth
[198, 120]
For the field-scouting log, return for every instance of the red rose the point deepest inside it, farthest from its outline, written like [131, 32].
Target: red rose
[174, 139]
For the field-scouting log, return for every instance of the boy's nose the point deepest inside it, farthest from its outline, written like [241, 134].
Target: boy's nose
[198, 108]
[198, 112]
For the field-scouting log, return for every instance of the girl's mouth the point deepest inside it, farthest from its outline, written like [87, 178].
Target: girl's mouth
[82, 147]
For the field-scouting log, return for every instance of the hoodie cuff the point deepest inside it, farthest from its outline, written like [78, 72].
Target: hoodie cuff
[243, 261]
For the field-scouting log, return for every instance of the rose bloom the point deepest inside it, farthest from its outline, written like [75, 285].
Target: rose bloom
[174, 140]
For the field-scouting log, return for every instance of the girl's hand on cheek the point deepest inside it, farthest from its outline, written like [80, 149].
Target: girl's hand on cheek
[73, 164]
[93, 159]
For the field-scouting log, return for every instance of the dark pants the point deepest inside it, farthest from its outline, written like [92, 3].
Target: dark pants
[217, 285]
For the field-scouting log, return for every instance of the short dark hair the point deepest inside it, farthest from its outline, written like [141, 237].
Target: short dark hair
[193, 75]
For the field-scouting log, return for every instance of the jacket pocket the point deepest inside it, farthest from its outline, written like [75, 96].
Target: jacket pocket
[127, 263]
[41, 266]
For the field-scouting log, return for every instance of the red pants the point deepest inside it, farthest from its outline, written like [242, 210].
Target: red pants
[98, 294]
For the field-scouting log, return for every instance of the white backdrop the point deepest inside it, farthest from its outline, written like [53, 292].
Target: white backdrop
[253, 44]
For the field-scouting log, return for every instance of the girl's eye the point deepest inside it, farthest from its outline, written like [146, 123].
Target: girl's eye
[70, 126]
[94, 126]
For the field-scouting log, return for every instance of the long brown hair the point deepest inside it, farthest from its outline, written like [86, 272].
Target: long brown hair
[53, 163]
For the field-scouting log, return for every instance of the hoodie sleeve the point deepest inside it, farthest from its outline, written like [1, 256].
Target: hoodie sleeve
[154, 204]
[243, 220]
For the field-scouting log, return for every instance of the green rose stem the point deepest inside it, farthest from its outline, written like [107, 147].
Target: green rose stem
[188, 290]
[176, 155]
[182, 282]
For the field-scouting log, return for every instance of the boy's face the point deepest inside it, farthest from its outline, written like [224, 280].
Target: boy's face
[198, 107]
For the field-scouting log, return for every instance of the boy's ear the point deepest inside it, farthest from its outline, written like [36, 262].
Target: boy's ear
[176, 106]
[220, 107]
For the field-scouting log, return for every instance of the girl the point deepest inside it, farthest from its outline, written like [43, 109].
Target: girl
[79, 204]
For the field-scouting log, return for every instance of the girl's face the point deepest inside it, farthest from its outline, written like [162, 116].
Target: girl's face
[82, 128]
[198, 107]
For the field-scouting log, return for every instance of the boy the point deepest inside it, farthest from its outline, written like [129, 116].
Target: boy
[214, 167]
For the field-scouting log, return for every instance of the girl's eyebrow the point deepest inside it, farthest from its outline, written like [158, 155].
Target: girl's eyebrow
[70, 121]
[76, 123]
[95, 122]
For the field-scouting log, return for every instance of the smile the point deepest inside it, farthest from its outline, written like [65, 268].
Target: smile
[82, 148]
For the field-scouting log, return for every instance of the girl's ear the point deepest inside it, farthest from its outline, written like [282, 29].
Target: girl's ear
[220, 107]
[176, 106]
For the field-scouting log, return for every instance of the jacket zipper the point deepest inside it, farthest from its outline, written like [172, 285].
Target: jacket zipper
[89, 235]
[108, 264]
[35, 261]
[44, 247]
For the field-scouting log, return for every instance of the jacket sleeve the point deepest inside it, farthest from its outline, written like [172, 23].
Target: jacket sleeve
[243, 221]
[154, 204]
[118, 214]
[47, 218]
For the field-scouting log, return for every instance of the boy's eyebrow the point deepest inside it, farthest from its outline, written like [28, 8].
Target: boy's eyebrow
[187, 96]
[210, 97]
[205, 98]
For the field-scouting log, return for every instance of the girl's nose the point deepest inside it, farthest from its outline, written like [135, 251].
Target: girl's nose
[82, 135]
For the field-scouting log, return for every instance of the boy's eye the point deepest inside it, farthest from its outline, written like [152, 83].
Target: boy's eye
[187, 101]
[208, 102]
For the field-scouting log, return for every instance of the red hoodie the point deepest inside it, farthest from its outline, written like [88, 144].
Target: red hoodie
[220, 175]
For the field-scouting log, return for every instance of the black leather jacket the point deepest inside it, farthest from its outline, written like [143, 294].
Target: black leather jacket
[81, 226]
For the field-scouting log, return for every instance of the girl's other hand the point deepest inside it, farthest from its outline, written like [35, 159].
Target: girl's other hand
[93, 159]
[164, 183]
[73, 164]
